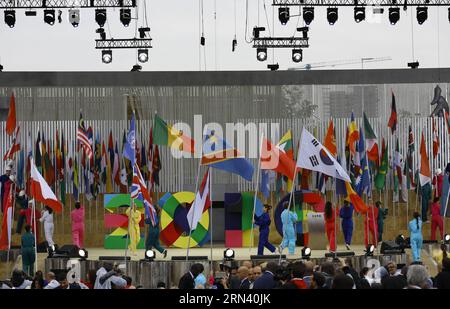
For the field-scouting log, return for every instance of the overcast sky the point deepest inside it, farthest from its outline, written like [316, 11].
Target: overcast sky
[33, 45]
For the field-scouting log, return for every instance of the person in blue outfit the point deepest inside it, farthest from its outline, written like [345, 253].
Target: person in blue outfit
[415, 229]
[152, 240]
[28, 251]
[380, 220]
[288, 219]
[346, 214]
[263, 222]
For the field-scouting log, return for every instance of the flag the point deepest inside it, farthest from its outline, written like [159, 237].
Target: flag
[445, 210]
[139, 191]
[265, 188]
[425, 173]
[217, 153]
[103, 164]
[340, 184]
[201, 203]
[116, 166]
[410, 140]
[435, 139]
[286, 145]
[41, 192]
[129, 149]
[7, 224]
[447, 121]
[111, 148]
[353, 135]
[371, 142]
[166, 135]
[75, 180]
[37, 152]
[330, 140]
[357, 202]
[312, 155]
[15, 146]
[156, 166]
[380, 178]
[363, 183]
[11, 120]
[393, 118]
[397, 166]
[274, 159]
[20, 169]
[83, 138]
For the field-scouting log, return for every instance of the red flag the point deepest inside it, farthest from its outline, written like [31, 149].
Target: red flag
[393, 119]
[447, 121]
[11, 120]
[15, 146]
[425, 173]
[41, 191]
[272, 158]
[5, 239]
[330, 140]
[435, 140]
[357, 202]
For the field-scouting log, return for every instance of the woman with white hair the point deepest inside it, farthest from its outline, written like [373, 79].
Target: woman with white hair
[417, 277]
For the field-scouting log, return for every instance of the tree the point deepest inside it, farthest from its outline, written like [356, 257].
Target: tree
[295, 104]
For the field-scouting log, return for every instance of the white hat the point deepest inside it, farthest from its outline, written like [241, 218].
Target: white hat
[22, 193]
[438, 171]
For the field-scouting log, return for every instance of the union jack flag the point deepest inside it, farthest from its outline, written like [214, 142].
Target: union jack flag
[139, 191]
[83, 138]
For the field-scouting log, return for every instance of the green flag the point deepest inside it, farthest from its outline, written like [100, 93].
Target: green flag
[380, 178]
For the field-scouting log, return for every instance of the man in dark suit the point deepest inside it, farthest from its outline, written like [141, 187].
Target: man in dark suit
[243, 277]
[187, 281]
[267, 279]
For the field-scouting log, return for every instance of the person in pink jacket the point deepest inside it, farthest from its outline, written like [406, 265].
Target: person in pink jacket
[436, 219]
[77, 217]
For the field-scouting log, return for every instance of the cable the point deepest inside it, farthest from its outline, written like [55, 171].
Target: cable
[246, 23]
[235, 19]
[412, 36]
[438, 42]
[215, 34]
[267, 18]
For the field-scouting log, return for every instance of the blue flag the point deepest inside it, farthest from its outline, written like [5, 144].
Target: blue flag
[217, 153]
[265, 189]
[445, 210]
[129, 149]
[363, 183]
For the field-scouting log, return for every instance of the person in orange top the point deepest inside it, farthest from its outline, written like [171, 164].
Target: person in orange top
[436, 219]
[370, 225]
[330, 224]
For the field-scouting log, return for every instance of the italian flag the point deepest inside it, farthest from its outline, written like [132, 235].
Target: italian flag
[40, 190]
[371, 142]
[166, 135]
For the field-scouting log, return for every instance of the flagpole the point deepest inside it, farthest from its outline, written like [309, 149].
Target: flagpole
[195, 195]
[445, 211]
[256, 193]
[210, 218]
[34, 230]
[335, 211]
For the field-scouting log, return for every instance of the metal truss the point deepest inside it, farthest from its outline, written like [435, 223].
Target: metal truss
[336, 3]
[61, 4]
[280, 42]
[123, 43]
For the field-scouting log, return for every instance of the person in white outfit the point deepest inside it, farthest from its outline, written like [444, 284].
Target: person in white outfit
[47, 218]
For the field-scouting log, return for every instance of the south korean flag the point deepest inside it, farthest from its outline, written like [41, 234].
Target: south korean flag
[313, 156]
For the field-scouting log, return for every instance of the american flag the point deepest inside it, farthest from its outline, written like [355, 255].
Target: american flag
[139, 191]
[83, 138]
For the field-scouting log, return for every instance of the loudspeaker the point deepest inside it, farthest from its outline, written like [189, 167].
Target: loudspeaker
[68, 250]
[391, 247]
[42, 247]
[267, 257]
[190, 258]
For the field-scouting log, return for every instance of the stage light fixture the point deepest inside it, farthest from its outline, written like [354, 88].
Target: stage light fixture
[233, 44]
[10, 18]
[136, 68]
[143, 55]
[446, 239]
[273, 67]
[202, 40]
[448, 14]
[297, 55]
[106, 56]
[359, 14]
[74, 17]
[394, 15]
[149, 255]
[143, 31]
[83, 254]
[100, 17]
[125, 17]
[283, 15]
[306, 253]
[102, 33]
[261, 54]
[51, 250]
[49, 17]
[413, 65]
[332, 15]
[1, 68]
[304, 31]
[308, 14]
[256, 31]
[400, 240]
[228, 254]
[370, 250]
[422, 14]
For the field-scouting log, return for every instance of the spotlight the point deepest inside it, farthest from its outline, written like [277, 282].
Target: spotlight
[74, 17]
[125, 17]
[297, 55]
[332, 15]
[228, 254]
[106, 56]
[136, 68]
[394, 15]
[51, 250]
[49, 17]
[422, 14]
[83, 254]
[143, 55]
[359, 14]
[400, 240]
[102, 33]
[261, 54]
[149, 255]
[10, 18]
[256, 31]
[308, 14]
[142, 32]
[283, 15]
[370, 249]
[100, 17]
[446, 239]
[306, 253]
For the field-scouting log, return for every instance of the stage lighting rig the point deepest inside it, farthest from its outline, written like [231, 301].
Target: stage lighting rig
[106, 45]
[308, 14]
[63, 4]
[74, 17]
[10, 18]
[332, 15]
[296, 43]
